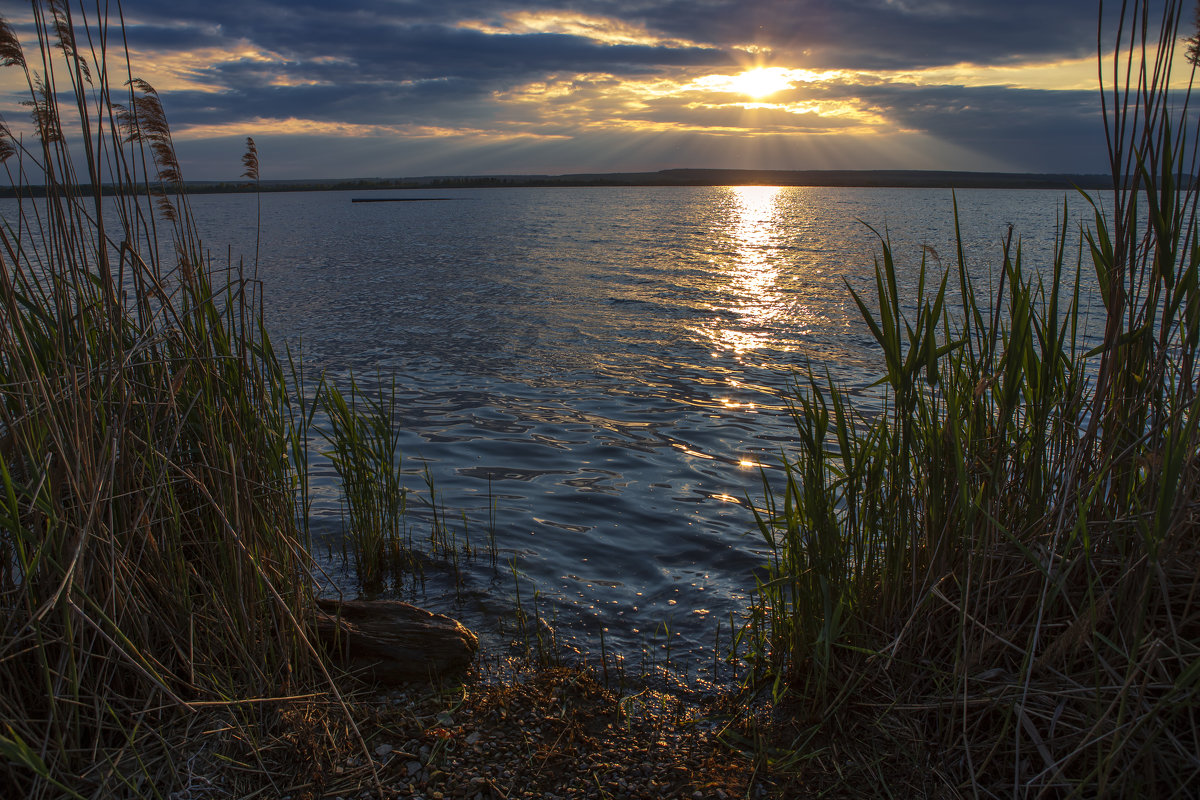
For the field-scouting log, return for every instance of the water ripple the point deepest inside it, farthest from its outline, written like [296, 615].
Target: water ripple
[601, 371]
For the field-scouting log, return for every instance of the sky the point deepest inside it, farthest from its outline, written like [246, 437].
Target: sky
[395, 88]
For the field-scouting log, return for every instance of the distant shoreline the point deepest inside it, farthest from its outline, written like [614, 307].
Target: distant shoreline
[396, 199]
[905, 179]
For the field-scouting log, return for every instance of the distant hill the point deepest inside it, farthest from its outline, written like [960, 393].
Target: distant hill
[923, 179]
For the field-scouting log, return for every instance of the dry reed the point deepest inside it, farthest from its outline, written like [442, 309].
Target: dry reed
[152, 571]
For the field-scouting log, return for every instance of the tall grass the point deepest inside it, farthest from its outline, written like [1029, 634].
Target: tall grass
[364, 448]
[154, 457]
[1000, 575]
[151, 564]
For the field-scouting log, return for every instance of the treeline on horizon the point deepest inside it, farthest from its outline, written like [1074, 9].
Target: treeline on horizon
[910, 179]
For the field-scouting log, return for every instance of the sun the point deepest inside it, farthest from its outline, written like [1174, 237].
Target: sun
[761, 82]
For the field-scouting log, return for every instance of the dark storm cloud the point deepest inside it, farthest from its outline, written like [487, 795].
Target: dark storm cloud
[891, 34]
[378, 35]
[954, 111]
[475, 66]
[858, 34]
[423, 52]
[1031, 130]
[445, 102]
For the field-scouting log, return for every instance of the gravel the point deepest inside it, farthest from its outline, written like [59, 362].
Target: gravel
[548, 733]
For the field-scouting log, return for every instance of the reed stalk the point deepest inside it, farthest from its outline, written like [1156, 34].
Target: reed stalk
[151, 563]
[1002, 571]
[364, 449]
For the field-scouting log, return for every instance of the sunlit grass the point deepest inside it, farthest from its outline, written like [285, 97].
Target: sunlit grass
[150, 559]
[1004, 567]
[156, 588]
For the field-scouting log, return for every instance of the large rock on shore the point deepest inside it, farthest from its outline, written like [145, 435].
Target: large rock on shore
[392, 641]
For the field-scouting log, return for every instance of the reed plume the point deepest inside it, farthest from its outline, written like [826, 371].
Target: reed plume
[250, 160]
[11, 52]
[64, 29]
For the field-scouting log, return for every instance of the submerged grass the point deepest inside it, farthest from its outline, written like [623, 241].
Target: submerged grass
[997, 581]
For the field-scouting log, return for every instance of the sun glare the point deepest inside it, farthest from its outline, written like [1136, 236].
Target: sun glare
[761, 82]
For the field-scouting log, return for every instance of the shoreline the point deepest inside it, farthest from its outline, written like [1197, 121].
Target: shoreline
[864, 179]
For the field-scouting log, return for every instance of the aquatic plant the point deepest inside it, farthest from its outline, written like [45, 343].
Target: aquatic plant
[997, 581]
[364, 448]
[152, 569]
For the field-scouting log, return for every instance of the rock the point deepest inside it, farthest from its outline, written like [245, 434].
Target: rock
[392, 641]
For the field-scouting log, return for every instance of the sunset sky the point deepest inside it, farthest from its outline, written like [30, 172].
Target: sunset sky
[389, 88]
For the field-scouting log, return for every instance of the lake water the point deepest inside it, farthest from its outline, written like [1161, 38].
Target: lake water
[600, 370]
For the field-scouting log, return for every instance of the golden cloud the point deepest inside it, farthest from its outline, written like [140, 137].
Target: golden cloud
[189, 70]
[690, 103]
[603, 30]
[1071, 74]
[295, 126]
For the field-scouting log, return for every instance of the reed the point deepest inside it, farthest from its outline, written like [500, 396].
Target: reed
[997, 581]
[364, 448]
[152, 568]
[154, 460]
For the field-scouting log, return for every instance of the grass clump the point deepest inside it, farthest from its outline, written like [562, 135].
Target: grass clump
[157, 593]
[152, 570]
[364, 449]
[997, 581]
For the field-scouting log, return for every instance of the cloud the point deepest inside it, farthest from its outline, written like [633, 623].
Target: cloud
[598, 29]
[1000, 85]
[884, 34]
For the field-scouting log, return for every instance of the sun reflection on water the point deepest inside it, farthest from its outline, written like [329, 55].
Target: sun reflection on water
[754, 229]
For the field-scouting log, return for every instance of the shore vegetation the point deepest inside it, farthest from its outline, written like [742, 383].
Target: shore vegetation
[991, 589]
[155, 578]
[994, 587]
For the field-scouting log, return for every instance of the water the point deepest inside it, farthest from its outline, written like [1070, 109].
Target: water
[602, 369]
